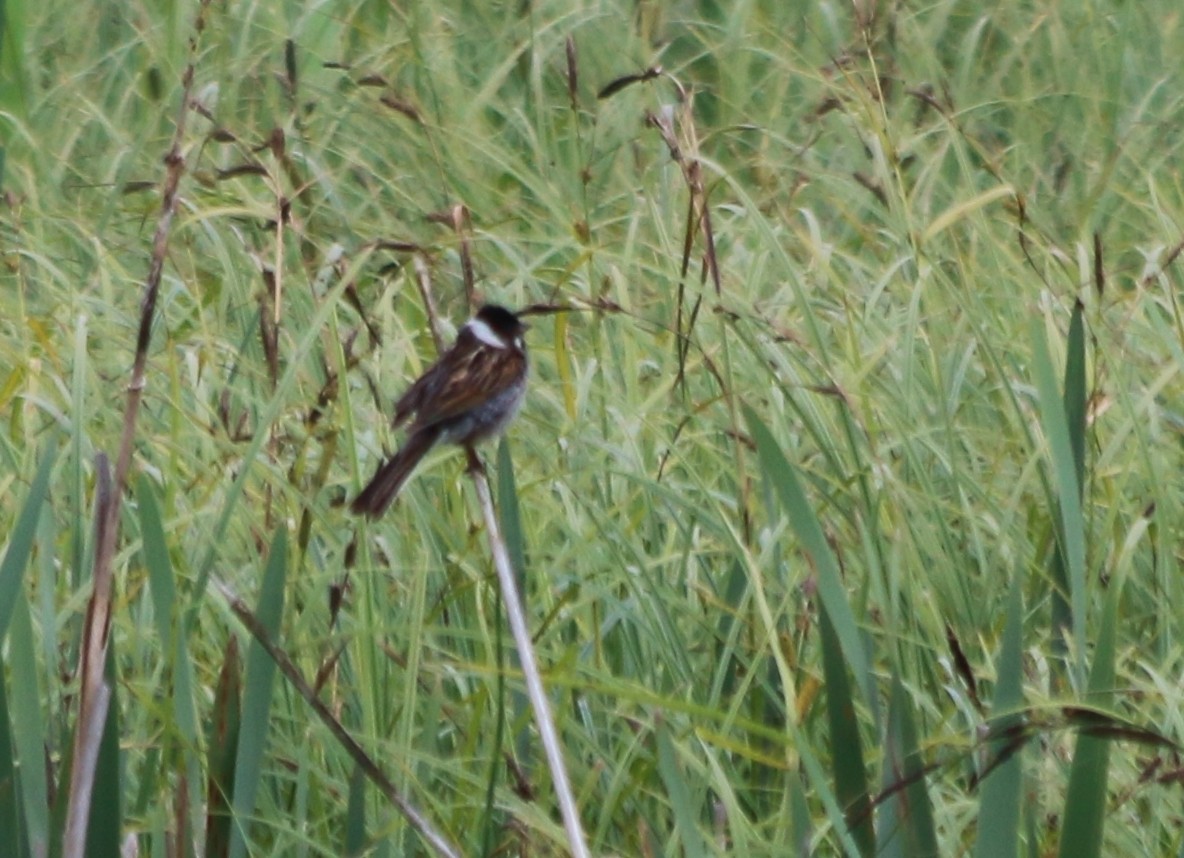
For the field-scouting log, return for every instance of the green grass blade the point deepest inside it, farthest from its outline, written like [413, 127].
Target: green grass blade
[11, 818]
[162, 589]
[906, 825]
[222, 744]
[77, 493]
[185, 721]
[355, 815]
[150, 783]
[1085, 803]
[14, 81]
[850, 771]
[809, 531]
[679, 793]
[20, 541]
[53, 628]
[1075, 394]
[1074, 398]
[156, 561]
[28, 722]
[728, 627]
[248, 768]
[510, 514]
[104, 828]
[1068, 488]
[999, 807]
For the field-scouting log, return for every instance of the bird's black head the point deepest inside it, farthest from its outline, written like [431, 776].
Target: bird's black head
[501, 321]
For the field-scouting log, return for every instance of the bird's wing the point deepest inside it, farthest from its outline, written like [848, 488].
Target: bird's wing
[466, 376]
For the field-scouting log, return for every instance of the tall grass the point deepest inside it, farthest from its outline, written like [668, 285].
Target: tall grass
[871, 551]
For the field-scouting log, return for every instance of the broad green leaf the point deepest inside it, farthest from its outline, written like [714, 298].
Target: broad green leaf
[1085, 802]
[222, 744]
[846, 746]
[998, 833]
[1068, 488]
[906, 825]
[1074, 398]
[104, 829]
[256, 714]
[29, 728]
[355, 814]
[11, 818]
[156, 561]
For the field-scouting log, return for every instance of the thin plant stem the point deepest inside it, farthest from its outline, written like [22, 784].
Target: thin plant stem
[534, 682]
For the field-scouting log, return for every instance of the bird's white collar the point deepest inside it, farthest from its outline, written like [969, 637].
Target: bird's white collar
[485, 334]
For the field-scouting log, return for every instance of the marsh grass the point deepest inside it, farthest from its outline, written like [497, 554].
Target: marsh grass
[881, 416]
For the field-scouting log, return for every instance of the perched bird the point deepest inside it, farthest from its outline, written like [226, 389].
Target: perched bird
[470, 393]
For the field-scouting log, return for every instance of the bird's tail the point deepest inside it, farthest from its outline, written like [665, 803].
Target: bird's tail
[384, 486]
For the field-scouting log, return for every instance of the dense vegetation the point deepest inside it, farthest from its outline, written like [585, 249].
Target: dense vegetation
[846, 498]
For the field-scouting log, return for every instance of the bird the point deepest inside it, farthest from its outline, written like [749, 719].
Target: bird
[470, 394]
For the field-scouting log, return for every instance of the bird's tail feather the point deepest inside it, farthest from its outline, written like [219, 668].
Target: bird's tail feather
[384, 486]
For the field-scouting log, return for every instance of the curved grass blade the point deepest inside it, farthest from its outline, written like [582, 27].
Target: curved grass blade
[809, 531]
